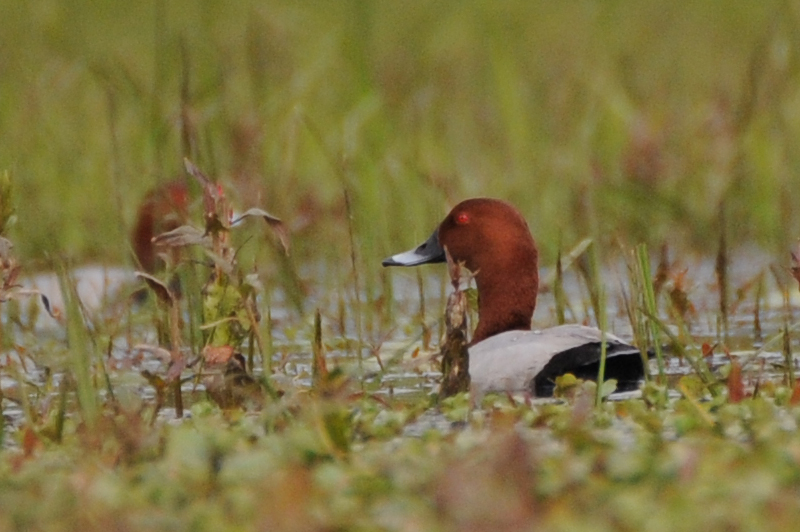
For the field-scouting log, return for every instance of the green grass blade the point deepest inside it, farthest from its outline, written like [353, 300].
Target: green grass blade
[646, 280]
[81, 349]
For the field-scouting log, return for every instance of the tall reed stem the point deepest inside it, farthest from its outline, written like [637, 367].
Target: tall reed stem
[721, 269]
[646, 282]
[356, 282]
[558, 290]
[426, 330]
[787, 340]
[80, 349]
[602, 322]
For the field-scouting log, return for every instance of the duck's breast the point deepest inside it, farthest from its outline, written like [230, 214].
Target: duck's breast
[510, 361]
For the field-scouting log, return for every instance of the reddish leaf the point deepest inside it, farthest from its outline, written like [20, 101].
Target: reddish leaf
[679, 296]
[663, 270]
[708, 349]
[30, 442]
[214, 355]
[735, 383]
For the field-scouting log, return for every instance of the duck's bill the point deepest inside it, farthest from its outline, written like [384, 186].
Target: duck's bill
[426, 253]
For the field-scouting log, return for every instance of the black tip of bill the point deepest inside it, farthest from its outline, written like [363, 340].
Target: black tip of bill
[428, 252]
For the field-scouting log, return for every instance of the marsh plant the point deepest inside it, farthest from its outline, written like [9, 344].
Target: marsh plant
[229, 318]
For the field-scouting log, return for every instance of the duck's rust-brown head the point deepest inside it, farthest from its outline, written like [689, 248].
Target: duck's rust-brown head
[164, 208]
[494, 242]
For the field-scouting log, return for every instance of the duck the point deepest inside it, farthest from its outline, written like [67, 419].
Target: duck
[163, 208]
[491, 238]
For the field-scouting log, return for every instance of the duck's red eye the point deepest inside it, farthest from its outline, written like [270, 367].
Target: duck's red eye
[462, 218]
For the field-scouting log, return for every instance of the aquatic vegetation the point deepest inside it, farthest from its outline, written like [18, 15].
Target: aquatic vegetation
[265, 390]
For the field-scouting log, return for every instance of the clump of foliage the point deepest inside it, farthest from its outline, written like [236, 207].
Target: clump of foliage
[229, 314]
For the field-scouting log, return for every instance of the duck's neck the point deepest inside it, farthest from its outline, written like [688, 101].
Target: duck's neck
[506, 301]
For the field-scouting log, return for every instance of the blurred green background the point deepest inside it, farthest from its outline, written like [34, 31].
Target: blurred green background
[639, 120]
